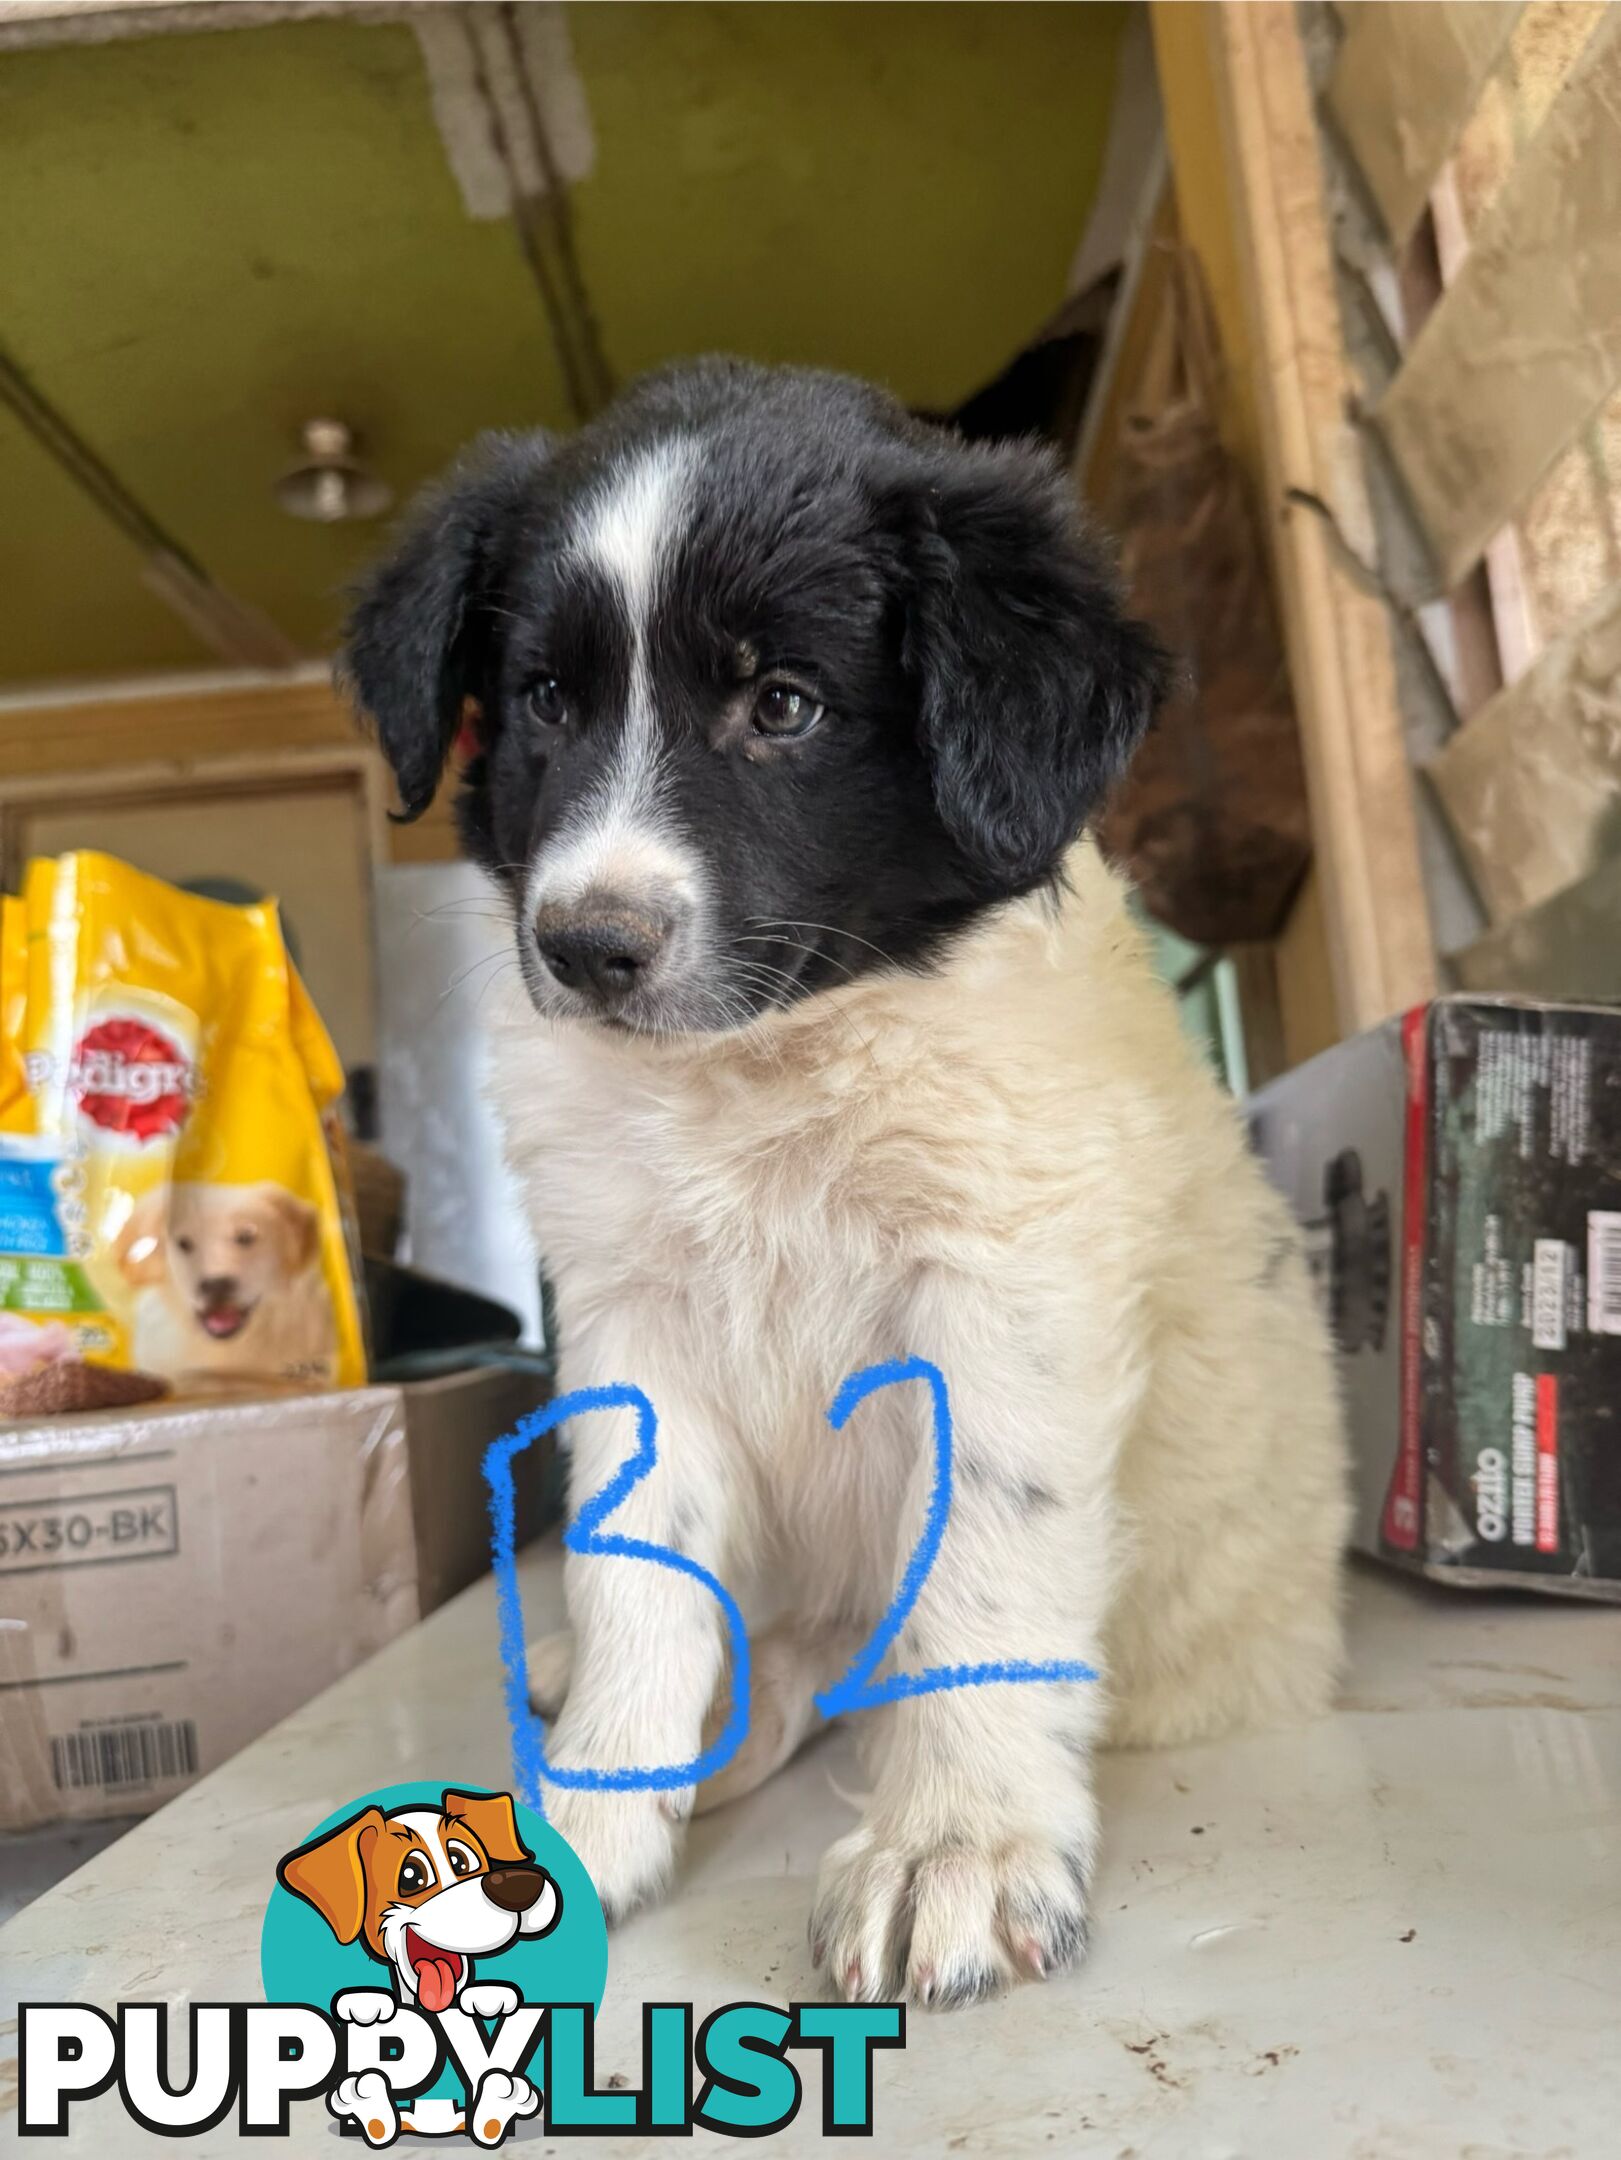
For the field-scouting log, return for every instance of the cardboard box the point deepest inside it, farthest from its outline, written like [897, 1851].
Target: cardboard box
[174, 1581]
[1458, 1174]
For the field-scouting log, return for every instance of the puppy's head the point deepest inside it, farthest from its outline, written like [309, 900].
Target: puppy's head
[224, 1248]
[425, 1890]
[767, 686]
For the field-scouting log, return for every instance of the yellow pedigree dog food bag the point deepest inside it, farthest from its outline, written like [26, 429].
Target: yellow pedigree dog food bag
[169, 1201]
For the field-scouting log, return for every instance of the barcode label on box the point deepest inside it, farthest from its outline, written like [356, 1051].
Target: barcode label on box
[1604, 1274]
[114, 1756]
[1548, 1273]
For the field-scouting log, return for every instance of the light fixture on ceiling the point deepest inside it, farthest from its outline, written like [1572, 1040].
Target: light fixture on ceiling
[329, 484]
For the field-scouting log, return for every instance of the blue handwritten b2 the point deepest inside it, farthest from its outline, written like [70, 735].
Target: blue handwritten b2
[857, 1690]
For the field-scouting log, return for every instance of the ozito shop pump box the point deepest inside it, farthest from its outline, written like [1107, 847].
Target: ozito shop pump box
[1458, 1176]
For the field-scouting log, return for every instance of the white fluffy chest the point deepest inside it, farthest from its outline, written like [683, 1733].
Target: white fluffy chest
[756, 1206]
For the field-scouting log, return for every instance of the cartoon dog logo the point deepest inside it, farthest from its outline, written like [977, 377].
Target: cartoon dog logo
[425, 1890]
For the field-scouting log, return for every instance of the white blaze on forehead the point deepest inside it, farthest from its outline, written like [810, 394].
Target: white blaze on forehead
[618, 841]
[628, 528]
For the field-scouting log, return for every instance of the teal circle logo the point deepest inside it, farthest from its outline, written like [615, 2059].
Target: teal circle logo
[351, 1870]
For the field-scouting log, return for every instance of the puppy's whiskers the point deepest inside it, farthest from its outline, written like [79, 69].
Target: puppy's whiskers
[770, 984]
[763, 969]
[510, 961]
[784, 922]
[484, 960]
[465, 907]
[814, 952]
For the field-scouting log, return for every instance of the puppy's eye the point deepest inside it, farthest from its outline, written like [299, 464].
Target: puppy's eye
[186, 1244]
[246, 1236]
[547, 703]
[784, 712]
[462, 1861]
[414, 1876]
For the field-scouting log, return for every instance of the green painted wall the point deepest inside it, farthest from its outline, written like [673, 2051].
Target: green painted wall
[223, 235]
[209, 238]
[897, 190]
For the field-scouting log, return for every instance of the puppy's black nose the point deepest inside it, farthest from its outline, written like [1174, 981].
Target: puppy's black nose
[514, 1889]
[220, 1289]
[604, 951]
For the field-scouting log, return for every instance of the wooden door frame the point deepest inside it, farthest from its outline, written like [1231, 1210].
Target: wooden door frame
[213, 779]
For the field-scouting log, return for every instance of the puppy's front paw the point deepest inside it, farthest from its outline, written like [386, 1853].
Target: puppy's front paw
[628, 1842]
[946, 1921]
[551, 1668]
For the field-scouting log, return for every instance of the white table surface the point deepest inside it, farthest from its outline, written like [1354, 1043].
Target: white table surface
[1394, 1935]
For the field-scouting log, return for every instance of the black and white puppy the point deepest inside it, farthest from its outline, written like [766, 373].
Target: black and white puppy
[839, 1046]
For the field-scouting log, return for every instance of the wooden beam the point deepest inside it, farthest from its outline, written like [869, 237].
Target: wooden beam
[171, 723]
[1137, 313]
[1260, 1012]
[1405, 81]
[1306, 1009]
[173, 729]
[1368, 879]
[1206, 218]
[1526, 344]
[228, 626]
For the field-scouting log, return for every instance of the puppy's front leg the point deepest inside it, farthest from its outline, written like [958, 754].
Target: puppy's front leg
[649, 1640]
[971, 1866]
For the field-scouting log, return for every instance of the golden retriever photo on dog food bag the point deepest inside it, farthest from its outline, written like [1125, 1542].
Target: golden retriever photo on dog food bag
[227, 1281]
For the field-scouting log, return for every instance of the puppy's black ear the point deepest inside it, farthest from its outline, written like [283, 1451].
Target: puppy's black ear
[1034, 688]
[415, 646]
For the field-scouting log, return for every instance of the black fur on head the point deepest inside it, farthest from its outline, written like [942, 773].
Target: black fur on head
[1033, 689]
[422, 630]
[773, 685]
